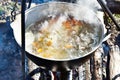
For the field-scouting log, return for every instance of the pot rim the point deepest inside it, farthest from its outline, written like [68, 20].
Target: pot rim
[101, 40]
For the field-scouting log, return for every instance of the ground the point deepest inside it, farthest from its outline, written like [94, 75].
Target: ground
[10, 55]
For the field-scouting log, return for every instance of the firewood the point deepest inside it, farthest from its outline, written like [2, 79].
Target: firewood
[98, 64]
[115, 63]
[87, 70]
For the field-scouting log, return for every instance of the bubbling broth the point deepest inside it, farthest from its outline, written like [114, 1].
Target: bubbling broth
[60, 37]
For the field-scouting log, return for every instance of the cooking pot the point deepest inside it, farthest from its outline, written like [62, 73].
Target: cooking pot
[54, 8]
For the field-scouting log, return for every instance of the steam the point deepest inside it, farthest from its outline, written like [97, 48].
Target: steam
[85, 14]
[91, 4]
[88, 11]
[91, 9]
[85, 10]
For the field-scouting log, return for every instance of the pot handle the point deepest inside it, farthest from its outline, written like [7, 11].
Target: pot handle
[107, 34]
